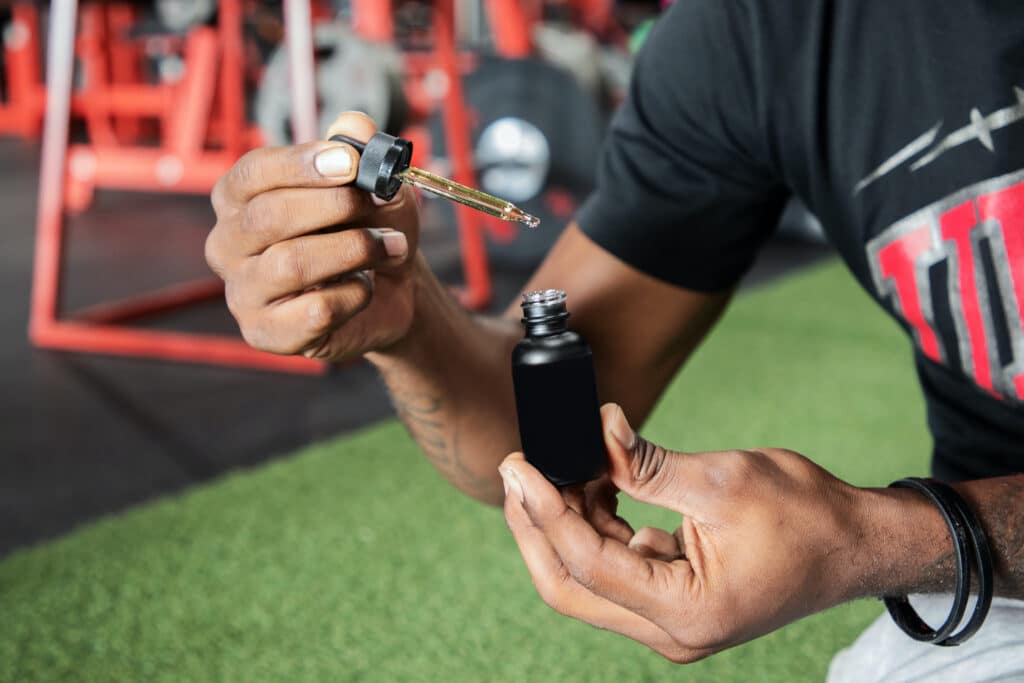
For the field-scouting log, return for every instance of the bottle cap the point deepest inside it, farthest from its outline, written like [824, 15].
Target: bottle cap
[381, 159]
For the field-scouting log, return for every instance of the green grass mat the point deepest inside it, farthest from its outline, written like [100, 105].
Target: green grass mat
[354, 561]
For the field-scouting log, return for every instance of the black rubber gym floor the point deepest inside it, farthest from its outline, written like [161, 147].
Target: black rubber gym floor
[82, 435]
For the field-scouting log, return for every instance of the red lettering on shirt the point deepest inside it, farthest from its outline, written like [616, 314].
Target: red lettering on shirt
[988, 216]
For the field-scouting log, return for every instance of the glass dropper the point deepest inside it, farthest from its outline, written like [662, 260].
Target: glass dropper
[384, 166]
[449, 189]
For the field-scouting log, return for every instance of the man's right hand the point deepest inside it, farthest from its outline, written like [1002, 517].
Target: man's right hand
[311, 264]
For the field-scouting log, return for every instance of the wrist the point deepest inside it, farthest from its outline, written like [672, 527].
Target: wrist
[429, 299]
[902, 545]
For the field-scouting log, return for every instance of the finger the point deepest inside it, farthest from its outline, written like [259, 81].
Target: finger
[656, 544]
[600, 505]
[282, 214]
[354, 124]
[689, 483]
[575, 497]
[561, 592]
[298, 264]
[313, 164]
[294, 325]
[600, 564]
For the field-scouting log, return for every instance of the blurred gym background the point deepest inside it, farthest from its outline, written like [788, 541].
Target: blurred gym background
[125, 379]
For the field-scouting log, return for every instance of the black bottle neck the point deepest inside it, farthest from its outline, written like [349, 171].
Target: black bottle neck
[544, 316]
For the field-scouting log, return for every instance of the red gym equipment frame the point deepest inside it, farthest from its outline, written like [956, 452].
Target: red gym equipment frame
[183, 164]
[101, 329]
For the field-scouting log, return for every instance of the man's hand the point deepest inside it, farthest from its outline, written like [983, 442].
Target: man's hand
[311, 264]
[766, 537]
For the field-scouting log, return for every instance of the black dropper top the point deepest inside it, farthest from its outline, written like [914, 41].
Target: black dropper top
[544, 312]
[381, 159]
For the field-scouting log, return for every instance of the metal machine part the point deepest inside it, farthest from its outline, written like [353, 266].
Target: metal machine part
[180, 15]
[513, 158]
[352, 74]
[572, 49]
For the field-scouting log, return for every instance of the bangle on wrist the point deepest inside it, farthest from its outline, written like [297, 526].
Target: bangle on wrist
[969, 543]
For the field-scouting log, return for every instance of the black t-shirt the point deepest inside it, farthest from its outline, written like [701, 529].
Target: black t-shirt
[899, 123]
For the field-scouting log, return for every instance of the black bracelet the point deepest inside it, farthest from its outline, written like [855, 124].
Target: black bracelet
[982, 563]
[968, 539]
[899, 606]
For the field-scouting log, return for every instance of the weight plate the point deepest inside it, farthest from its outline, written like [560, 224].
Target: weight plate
[525, 112]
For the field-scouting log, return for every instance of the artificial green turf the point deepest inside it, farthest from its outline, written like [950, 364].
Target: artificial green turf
[353, 561]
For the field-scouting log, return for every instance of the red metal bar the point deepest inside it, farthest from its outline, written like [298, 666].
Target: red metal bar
[510, 27]
[45, 330]
[186, 133]
[92, 52]
[146, 169]
[129, 101]
[125, 66]
[152, 303]
[373, 19]
[170, 346]
[231, 93]
[457, 131]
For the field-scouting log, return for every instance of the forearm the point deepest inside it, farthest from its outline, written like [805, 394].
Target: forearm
[908, 549]
[451, 384]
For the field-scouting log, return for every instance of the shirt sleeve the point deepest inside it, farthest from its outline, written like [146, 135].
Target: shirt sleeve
[684, 189]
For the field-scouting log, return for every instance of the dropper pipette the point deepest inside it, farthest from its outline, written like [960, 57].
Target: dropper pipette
[384, 166]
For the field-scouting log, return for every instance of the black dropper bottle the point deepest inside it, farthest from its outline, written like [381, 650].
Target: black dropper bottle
[556, 395]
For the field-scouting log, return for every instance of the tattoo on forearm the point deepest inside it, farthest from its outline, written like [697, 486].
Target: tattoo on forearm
[428, 420]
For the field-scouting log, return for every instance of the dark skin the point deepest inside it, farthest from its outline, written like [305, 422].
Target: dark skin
[764, 521]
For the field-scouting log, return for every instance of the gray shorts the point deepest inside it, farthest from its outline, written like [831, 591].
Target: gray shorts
[884, 653]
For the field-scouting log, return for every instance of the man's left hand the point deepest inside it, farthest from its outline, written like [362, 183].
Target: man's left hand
[766, 537]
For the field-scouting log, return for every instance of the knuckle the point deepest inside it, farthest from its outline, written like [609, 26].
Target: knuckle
[732, 470]
[260, 213]
[218, 195]
[213, 252]
[345, 203]
[552, 588]
[233, 299]
[252, 336]
[553, 595]
[584, 576]
[319, 315]
[358, 294]
[286, 265]
[257, 335]
[246, 170]
[360, 246]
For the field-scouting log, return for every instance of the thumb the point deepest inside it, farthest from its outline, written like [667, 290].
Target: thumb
[648, 472]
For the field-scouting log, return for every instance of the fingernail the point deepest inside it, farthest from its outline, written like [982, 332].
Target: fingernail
[334, 162]
[620, 429]
[395, 244]
[382, 202]
[512, 484]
